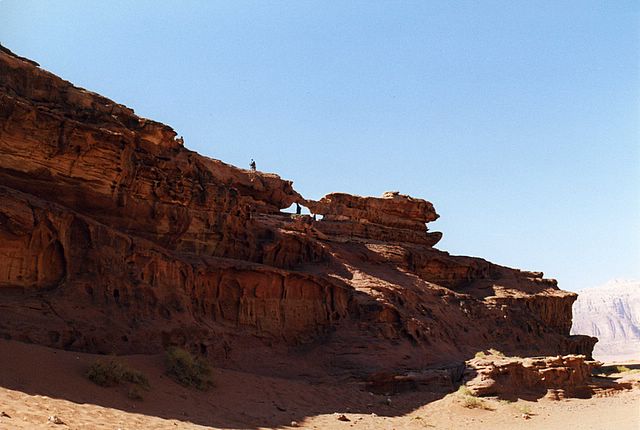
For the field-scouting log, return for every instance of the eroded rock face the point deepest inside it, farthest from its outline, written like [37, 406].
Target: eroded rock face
[391, 218]
[115, 238]
[512, 377]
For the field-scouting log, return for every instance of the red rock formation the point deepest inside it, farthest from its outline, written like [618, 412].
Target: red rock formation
[115, 238]
[392, 218]
[556, 378]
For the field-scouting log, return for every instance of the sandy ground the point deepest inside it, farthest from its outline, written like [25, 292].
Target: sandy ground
[37, 382]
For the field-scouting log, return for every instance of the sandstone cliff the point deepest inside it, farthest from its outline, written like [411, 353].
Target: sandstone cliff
[116, 238]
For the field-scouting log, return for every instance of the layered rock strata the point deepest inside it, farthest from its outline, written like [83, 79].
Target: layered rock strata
[555, 378]
[391, 218]
[116, 238]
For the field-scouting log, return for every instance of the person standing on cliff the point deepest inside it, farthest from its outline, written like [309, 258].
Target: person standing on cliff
[252, 165]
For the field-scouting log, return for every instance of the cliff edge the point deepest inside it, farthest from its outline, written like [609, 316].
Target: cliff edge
[115, 238]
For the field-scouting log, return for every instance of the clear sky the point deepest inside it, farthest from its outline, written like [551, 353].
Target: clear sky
[519, 120]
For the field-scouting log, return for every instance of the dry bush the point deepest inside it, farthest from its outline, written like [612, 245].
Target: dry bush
[493, 351]
[187, 369]
[111, 372]
[463, 390]
[470, 400]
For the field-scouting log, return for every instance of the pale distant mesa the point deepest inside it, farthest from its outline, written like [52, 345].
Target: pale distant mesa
[611, 312]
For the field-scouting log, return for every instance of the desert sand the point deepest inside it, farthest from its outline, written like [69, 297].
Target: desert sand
[38, 382]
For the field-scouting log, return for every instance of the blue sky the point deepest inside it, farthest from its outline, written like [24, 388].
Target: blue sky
[519, 120]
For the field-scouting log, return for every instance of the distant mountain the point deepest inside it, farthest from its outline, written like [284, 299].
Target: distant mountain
[610, 312]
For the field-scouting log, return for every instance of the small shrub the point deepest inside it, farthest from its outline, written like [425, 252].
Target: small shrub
[472, 402]
[187, 369]
[525, 409]
[112, 372]
[134, 393]
[614, 368]
[496, 352]
[489, 352]
[423, 422]
[463, 390]
[604, 370]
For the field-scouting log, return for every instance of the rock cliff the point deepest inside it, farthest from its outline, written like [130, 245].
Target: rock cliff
[610, 312]
[115, 238]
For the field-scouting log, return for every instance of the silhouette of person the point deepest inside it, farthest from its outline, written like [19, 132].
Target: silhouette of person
[252, 165]
[298, 209]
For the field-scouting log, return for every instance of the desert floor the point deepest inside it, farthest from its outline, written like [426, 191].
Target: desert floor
[37, 383]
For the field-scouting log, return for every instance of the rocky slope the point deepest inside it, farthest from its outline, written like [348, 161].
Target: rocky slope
[610, 312]
[115, 238]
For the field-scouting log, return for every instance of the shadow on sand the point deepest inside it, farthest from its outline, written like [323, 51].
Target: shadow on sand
[237, 400]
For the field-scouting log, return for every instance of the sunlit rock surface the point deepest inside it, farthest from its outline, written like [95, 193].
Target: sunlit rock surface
[115, 238]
